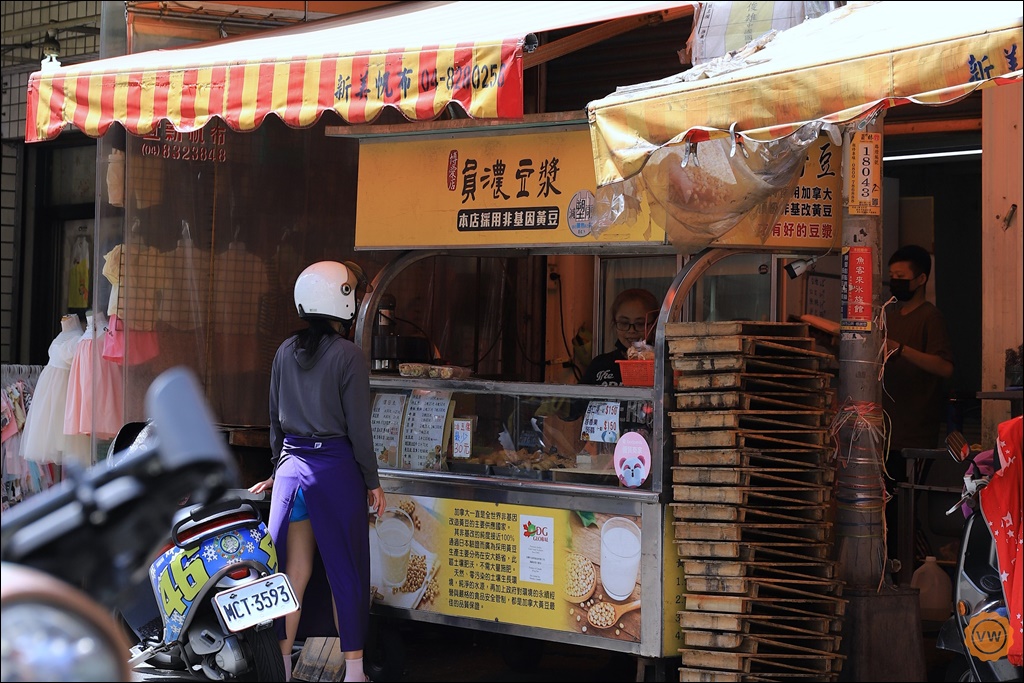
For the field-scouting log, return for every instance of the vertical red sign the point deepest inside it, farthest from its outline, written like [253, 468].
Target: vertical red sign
[857, 288]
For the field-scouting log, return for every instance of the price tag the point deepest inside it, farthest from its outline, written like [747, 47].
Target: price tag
[601, 422]
[462, 437]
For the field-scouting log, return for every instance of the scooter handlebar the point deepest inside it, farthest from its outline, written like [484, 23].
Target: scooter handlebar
[115, 512]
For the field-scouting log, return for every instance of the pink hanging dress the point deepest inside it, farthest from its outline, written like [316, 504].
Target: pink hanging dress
[95, 388]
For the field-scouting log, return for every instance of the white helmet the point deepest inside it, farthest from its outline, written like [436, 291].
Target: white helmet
[327, 289]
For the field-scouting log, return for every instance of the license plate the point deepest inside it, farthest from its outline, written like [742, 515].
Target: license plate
[267, 598]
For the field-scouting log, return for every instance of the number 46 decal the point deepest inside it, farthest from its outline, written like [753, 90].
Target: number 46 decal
[181, 581]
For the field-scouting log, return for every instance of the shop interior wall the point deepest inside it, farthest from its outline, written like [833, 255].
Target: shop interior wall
[955, 189]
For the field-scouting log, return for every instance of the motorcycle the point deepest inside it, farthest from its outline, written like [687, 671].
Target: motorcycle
[979, 632]
[69, 553]
[213, 592]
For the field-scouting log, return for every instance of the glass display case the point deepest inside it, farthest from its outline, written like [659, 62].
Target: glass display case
[518, 430]
[520, 490]
[515, 484]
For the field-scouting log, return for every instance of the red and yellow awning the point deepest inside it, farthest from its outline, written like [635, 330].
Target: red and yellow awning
[415, 57]
[835, 68]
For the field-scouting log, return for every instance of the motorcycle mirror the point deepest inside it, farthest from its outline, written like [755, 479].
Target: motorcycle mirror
[957, 446]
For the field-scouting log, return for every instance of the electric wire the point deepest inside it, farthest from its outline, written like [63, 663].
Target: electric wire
[394, 318]
[576, 372]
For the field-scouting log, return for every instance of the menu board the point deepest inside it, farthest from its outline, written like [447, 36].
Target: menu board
[601, 422]
[426, 429]
[386, 425]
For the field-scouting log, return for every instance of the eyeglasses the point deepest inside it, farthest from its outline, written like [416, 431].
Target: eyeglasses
[638, 326]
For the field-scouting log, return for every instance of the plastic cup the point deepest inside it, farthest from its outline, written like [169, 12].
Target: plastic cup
[394, 541]
[620, 557]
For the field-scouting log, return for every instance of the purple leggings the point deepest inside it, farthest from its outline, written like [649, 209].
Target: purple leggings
[336, 497]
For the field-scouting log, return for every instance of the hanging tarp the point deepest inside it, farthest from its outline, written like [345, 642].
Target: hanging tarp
[834, 68]
[416, 57]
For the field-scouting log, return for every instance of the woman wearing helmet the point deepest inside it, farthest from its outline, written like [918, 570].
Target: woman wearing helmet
[325, 470]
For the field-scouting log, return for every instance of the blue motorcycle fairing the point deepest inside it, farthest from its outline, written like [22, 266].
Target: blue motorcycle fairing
[182, 578]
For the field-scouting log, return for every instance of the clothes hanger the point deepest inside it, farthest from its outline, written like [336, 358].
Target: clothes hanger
[136, 234]
[236, 244]
[186, 234]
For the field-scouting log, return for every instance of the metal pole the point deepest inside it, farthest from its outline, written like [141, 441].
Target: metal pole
[882, 638]
[860, 491]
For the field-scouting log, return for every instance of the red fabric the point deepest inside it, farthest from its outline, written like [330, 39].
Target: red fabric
[1001, 506]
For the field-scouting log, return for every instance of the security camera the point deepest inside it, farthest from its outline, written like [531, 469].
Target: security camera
[797, 268]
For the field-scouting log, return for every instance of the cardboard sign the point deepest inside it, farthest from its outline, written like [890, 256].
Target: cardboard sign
[462, 437]
[601, 422]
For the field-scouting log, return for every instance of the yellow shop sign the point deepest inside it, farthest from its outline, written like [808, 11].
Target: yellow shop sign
[497, 190]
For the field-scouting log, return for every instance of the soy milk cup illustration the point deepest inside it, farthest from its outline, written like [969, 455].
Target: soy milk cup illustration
[394, 541]
[620, 557]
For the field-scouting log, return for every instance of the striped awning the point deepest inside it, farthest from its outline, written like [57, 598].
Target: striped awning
[836, 68]
[417, 57]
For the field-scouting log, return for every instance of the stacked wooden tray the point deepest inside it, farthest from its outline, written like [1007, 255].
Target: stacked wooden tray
[752, 484]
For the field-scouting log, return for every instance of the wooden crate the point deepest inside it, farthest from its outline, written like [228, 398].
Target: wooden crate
[772, 665]
[765, 496]
[752, 382]
[753, 623]
[741, 438]
[752, 457]
[722, 362]
[747, 419]
[813, 606]
[748, 476]
[736, 327]
[746, 345]
[699, 549]
[810, 568]
[762, 584]
[702, 512]
[717, 676]
[761, 400]
[752, 531]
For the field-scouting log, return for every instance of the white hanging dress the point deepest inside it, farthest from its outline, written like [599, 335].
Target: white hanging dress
[43, 437]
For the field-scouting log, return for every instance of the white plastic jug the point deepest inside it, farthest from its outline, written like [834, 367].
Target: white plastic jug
[936, 590]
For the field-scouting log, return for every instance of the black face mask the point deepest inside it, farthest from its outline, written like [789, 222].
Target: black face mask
[900, 288]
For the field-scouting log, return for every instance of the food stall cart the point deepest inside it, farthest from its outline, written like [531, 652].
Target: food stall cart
[534, 511]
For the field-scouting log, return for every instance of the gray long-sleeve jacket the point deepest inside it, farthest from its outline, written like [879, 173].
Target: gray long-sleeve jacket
[326, 394]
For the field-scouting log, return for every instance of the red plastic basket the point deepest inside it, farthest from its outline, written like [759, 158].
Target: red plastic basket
[637, 373]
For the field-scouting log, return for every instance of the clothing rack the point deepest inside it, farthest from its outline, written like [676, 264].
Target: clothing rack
[12, 373]
[20, 478]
